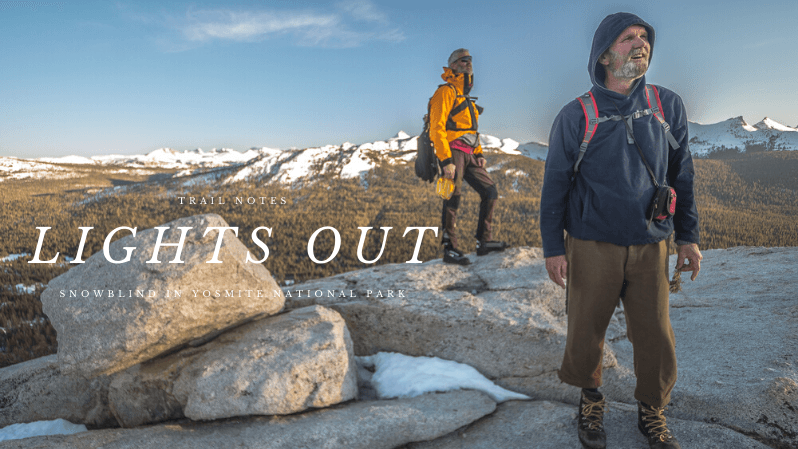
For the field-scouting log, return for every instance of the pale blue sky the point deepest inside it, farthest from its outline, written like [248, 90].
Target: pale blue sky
[103, 77]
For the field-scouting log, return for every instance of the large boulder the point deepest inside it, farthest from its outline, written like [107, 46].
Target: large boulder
[355, 425]
[37, 391]
[273, 366]
[110, 316]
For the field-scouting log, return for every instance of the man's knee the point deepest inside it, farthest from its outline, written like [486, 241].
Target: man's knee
[452, 203]
[490, 193]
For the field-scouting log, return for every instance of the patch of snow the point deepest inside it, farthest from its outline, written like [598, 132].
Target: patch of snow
[409, 149]
[290, 166]
[534, 150]
[400, 376]
[358, 165]
[508, 146]
[13, 257]
[375, 146]
[40, 428]
[410, 144]
[22, 288]
[268, 163]
[181, 173]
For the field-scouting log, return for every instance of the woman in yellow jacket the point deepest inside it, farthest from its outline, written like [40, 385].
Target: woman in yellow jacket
[453, 130]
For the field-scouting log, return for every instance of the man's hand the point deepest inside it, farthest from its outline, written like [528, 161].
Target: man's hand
[480, 162]
[692, 254]
[448, 171]
[557, 268]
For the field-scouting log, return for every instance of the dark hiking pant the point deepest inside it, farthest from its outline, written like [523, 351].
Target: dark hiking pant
[595, 277]
[466, 169]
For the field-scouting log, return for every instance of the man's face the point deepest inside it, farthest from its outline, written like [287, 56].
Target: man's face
[627, 57]
[462, 64]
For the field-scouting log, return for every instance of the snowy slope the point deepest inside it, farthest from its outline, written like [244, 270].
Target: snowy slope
[165, 158]
[15, 168]
[767, 123]
[534, 150]
[508, 146]
[168, 158]
[736, 134]
[345, 160]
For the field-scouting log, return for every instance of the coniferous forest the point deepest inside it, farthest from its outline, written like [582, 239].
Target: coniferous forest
[747, 199]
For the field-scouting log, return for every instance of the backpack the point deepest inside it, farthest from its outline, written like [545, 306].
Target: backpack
[427, 166]
[663, 205]
[592, 120]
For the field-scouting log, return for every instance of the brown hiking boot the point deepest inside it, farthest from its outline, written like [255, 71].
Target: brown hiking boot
[488, 246]
[651, 422]
[590, 426]
[451, 255]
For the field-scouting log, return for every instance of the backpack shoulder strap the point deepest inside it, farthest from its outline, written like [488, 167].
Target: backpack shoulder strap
[468, 103]
[426, 117]
[590, 109]
[652, 91]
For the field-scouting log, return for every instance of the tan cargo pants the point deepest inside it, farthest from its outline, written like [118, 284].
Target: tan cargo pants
[595, 277]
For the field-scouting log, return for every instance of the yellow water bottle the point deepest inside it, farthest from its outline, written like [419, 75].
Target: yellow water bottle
[444, 188]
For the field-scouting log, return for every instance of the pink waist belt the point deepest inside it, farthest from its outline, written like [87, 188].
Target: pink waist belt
[458, 144]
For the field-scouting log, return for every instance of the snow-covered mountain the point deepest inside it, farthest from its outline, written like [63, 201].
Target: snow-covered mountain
[768, 123]
[345, 160]
[165, 158]
[348, 160]
[737, 135]
[268, 164]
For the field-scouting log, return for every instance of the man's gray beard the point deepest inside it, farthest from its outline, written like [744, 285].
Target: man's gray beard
[629, 70]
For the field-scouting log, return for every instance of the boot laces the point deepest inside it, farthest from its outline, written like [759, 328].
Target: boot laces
[454, 252]
[654, 421]
[593, 413]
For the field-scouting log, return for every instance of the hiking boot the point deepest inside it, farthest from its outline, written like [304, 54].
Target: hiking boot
[590, 426]
[451, 255]
[488, 246]
[651, 422]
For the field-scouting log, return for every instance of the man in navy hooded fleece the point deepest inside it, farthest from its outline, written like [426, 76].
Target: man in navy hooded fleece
[611, 249]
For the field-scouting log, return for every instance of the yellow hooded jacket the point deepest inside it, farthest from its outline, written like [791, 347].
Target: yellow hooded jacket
[441, 103]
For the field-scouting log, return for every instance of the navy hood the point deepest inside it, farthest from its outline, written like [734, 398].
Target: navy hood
[608, 30]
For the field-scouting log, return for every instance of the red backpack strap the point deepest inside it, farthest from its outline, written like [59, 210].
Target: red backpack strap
[590, 109]
[652, 90]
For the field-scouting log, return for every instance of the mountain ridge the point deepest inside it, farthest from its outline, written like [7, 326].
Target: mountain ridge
[349, 160]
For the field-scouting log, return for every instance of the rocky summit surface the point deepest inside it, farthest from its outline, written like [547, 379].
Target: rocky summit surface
[289, 380]
[736, 330]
